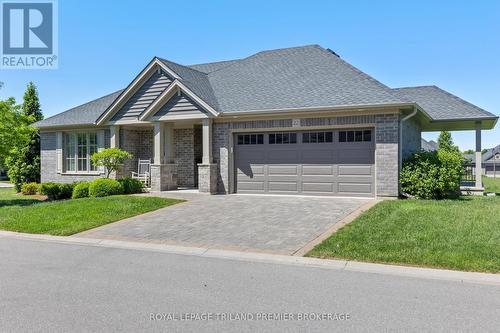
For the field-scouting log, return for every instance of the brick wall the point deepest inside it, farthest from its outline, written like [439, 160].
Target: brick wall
[184, 156]
[48, 161]
[387, 154]
[140, 144]
[412, 137]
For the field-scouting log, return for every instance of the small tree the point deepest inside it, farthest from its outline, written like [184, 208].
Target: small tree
[111, 159]
[445, 142]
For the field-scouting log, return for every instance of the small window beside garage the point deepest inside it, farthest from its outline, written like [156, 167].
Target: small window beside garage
[282, 138]
[250, 139]
[317, 137]
[355, 136]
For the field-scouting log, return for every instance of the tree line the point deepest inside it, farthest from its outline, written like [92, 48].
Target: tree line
[19, 140]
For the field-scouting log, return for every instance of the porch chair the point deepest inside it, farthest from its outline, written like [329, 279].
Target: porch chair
[143, 172]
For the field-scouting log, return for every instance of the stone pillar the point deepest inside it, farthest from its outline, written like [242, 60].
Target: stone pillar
[207, 170]
[207, 178]
[479, 167]
[163, 169]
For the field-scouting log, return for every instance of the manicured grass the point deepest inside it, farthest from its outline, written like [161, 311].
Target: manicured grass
[459, 234]
[67, 217]
[491, 184]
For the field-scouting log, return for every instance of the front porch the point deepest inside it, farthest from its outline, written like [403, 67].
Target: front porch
[180, 153]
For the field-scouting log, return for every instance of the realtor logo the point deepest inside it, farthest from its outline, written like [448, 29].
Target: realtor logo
[29, 34]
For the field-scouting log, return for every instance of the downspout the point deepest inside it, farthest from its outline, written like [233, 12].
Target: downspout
[401, 139]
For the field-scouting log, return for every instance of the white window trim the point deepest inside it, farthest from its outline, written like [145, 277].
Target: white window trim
[64, 153]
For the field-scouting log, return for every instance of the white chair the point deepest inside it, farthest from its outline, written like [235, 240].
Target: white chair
[143, 172]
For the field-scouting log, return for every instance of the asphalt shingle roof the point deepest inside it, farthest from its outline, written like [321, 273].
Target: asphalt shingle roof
[85, 114]
[292, 78]
[440, 104]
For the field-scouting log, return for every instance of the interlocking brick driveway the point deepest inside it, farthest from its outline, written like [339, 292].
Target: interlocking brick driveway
[276, 224]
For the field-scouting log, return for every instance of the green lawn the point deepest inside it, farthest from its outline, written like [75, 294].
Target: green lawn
[459, 234]
[67, 217]
[491, 184]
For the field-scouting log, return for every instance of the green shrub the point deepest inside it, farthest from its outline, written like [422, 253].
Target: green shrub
[103, 187]
[81, 190]
[57, 191]
[432, 175]
[51, 190]
[131, 185]
[30, 188]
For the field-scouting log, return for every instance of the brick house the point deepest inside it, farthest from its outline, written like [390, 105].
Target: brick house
[292, 121]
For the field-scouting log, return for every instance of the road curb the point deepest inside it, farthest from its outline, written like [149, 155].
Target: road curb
[352, 266]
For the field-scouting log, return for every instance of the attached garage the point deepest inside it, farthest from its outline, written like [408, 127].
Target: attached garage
[321, 162]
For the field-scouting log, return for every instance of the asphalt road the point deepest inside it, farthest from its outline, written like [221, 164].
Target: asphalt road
[52, 287]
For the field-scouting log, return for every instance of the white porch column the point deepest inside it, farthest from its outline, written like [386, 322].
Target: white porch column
[207, 170]
[207, 141]
[159, 142]
[169, 143]
[479, 167]
[114, 141]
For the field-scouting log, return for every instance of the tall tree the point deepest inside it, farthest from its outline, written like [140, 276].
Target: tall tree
[13, 131]
[445, 142]
[24, 162]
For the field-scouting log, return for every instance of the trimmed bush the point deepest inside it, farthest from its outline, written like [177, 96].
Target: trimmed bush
[57, 191]
[103, 187]
[81, 190]
[131, 185]
[51, 190]
[30, 188]
[432, 175]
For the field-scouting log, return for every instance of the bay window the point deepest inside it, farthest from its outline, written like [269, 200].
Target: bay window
[78, 147]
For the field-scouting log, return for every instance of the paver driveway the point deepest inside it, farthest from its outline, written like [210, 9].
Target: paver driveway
[275, 224]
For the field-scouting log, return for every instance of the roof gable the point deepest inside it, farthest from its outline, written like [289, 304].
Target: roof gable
[157, 83]
[180, 106]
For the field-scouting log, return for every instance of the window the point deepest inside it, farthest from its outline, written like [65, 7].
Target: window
[317, 137]
[78, 147]
[282, 138]
[251, 139]
[355, 136]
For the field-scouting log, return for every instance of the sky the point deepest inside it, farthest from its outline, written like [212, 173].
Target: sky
[103, 45]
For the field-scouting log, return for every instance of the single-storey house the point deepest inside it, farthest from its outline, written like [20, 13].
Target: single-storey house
[298, 120]
[490, 161]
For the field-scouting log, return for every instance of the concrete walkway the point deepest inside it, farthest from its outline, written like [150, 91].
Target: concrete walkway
[264, 223]
[6, 185]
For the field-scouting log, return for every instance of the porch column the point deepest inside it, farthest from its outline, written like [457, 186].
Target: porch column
[207, 170]
[169, 143]
[159, 141]
[207, 141]
[114, 138]
[163, 169]
[479, 167]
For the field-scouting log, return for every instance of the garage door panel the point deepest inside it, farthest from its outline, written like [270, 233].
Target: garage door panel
[282, 170]
[347, 188]
[275, 186]
[282, 156]
[355, 170]
[355, 156]
[250, 186]
[318, 179]
[317, 169]
[311, 187]
[314, 155]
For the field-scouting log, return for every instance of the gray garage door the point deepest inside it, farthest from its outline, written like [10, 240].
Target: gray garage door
[326, 162]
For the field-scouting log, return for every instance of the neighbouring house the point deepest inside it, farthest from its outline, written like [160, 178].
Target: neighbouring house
[297, 120]
[490, 161]
[429, 145]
